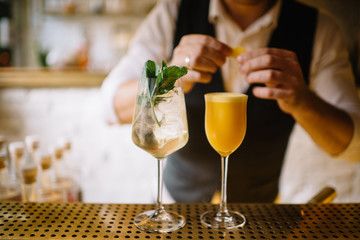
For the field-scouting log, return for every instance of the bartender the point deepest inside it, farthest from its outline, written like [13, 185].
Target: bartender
[295, 70]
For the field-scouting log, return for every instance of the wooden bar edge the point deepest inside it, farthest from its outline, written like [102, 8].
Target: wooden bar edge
[48, 78]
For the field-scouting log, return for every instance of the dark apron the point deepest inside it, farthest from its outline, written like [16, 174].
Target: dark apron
[192, 174]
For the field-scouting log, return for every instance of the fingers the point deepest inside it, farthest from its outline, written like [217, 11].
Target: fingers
[271, 66]
[193, 77]
[279, 71]
[208, 41]
[202, 55]
[275, 88]
[283, 53]
[268, 77]
[272, 93]
[205, 52]
[197, 76]
[198, 62]
[268, 58]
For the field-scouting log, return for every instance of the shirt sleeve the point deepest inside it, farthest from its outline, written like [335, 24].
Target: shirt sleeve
[331, 77]
[153, 40]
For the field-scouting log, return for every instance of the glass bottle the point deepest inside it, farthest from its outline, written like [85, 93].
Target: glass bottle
[73, 170]
[61, 174]
[9, 190]
[32, 143]
[16, 152]
[29, 185]
[48, 190]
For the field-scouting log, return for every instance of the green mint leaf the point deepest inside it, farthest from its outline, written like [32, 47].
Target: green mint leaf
[152, 69]
[163, 65]
[168, 77]
[149, 74]
[159, 80]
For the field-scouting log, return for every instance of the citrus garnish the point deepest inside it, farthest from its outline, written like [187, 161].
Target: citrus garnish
[236, 51]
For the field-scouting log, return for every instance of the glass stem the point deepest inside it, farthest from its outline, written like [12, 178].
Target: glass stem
[160, 206]
[224, 171]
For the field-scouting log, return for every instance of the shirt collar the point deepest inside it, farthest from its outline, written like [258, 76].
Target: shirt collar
[269, 19]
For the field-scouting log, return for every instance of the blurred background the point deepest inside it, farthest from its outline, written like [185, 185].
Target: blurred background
[85, 34]
[54, 55]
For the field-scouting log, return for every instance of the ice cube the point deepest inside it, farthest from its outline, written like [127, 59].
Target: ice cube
[167, 132]
[144, 136]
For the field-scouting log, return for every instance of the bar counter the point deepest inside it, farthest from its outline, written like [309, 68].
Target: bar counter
[22, 77]
[115, 221]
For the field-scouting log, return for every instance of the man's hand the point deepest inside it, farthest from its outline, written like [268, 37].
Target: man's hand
[330, 127]
[204, 54]
[281, 73]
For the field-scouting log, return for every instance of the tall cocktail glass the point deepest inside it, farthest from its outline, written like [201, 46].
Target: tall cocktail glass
[160, 128]
[225, 127]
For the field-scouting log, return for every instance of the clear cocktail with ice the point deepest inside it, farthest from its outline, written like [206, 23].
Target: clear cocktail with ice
[163, 129]
[160, 128]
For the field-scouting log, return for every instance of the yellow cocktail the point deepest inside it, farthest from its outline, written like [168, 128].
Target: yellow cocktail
[225, 121]
[225, 127]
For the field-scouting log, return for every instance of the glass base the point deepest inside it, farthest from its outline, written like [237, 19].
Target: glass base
[159, 221]
[226, 220]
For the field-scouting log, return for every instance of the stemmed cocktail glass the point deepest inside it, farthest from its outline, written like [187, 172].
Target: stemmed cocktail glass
[160, 128]
[225, 127]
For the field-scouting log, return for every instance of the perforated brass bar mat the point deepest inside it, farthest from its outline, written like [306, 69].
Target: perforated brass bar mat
[115, 221]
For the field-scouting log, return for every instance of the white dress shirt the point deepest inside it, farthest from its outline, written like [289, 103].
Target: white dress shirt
[330, 72]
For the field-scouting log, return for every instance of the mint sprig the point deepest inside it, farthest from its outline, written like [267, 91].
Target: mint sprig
[159, 80]
[165, 77]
